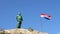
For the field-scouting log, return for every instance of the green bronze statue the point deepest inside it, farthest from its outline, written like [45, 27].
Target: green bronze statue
[19, 20]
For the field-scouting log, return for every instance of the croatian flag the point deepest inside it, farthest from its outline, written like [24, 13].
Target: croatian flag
[46, 16]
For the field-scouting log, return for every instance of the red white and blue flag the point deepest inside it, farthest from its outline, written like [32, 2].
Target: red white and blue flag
[46, 16]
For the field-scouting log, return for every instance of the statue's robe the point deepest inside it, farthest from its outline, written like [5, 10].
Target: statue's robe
[19, 19]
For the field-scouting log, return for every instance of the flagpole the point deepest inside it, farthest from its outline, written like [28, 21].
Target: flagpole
[41, 25]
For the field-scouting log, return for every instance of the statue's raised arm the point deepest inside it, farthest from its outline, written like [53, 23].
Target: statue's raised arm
[19, 20]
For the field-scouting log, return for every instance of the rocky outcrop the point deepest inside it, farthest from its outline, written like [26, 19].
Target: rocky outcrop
[21, 31]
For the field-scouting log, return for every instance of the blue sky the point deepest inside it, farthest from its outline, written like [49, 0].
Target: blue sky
[31, 10]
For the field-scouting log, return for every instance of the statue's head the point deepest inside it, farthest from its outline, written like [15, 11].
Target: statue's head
[19, 13]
